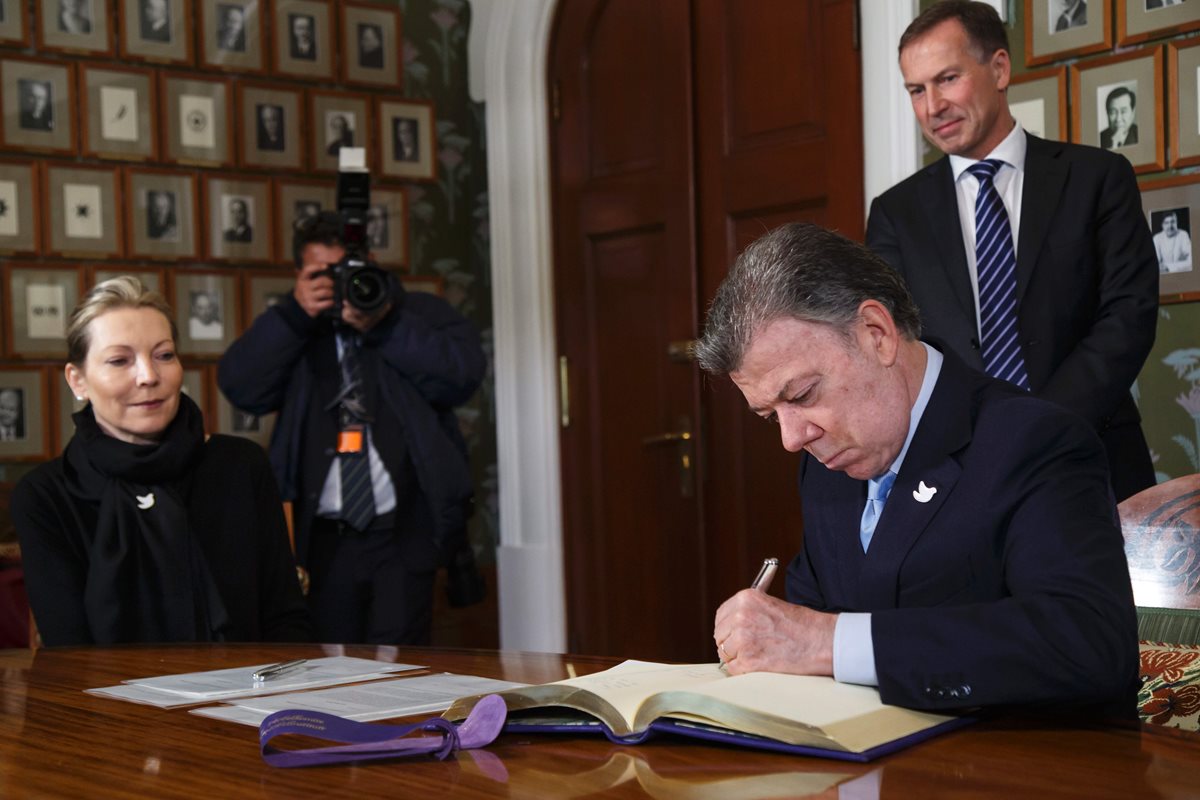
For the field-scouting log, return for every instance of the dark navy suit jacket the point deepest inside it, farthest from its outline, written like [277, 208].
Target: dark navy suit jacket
[1009, 585]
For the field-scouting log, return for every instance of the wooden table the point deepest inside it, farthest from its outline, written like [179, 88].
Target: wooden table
[56, 741]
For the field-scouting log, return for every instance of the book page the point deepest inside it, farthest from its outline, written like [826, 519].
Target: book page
[628, 684]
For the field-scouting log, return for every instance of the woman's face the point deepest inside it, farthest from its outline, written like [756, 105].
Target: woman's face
[131, 374]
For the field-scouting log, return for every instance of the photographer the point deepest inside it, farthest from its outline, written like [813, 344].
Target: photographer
[366, 444]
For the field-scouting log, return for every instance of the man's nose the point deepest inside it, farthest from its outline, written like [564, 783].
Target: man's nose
[935, 103]
[796, 431]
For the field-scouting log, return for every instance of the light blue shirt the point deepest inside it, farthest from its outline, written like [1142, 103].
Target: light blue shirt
[853, 647]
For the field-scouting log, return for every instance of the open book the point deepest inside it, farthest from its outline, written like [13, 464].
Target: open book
[793, 713]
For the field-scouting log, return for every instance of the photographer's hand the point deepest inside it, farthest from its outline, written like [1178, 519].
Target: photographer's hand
[363, 322]
[314, 290]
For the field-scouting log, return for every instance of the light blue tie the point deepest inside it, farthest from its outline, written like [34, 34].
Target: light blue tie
[996, 265]
[877, 494]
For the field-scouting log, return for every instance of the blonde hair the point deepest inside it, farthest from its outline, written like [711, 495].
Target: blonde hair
[125, 291]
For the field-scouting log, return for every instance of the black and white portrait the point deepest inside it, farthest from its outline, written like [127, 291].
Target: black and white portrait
[1172, 239]
[302, 42]
[238, 214]
[155, 20]
[12, 414]
[231, 27]
[1067, 15]
[304, 211]
[377, 228]
[1117, 114]
[1154, 5]
[161, 223]
[37, 104]
[46, 306]
[405, 144]
[271, 134]
[204, 316]
[339, 131]
[370, 46]
[75, 16]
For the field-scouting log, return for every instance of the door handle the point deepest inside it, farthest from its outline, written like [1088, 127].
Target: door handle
[663, 438]
[682, 438]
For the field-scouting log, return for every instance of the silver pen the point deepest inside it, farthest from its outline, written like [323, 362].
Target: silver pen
[762, 582]
[275, 670]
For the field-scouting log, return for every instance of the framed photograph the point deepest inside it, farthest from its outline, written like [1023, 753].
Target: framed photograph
[119, 110]
[83, 205]
[24, 411]
[1038, 100]
[1118, 106]
[157, 30]
[62, 399]
[295, 202]
[39, 299]
[1058, 29]
[336, 120]
[235, 422]
[1143, 20]
[207, 311]
[39, 109]
[272, 136]
[303, 39]
[239, 218]
[232, 35]
[75, 26]
[198, 121]
[1183, 63]
[153, 279]
[14, 22]
[406, 147]
[371, 45]
[265, 289]
[20, 195]
[1172, 208]
[163, 218]
[198, 384]
[387, 227]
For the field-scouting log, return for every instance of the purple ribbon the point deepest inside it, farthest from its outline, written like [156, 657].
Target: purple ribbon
[368, 741]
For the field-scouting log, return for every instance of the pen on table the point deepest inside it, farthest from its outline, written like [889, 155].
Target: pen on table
[762, 581]
[275, 670]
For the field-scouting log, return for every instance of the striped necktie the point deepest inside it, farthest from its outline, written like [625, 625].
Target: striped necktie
[878, 490]
[358, 495]
[996, 264]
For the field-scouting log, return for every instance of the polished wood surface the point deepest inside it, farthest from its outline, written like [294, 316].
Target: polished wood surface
[56, 741]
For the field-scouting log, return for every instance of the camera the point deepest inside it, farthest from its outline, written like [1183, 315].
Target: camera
[356, 279]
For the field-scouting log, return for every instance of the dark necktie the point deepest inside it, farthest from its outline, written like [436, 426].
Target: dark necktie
[996, 265]
[358, 499]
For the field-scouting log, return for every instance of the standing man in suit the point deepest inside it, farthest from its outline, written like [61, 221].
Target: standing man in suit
[1057, 289]
[1121, 105]
[961, 545]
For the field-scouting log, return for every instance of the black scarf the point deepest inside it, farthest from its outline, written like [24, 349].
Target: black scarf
[147, 578]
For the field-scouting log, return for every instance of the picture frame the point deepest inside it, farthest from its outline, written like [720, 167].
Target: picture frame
[387, 227]
[406, 145]
[235, 422]
[83, 205]
[272, 136]
[63, 400]
[24, 411]
[1121, 95]
[1183, 77]
[372, 46]
[197, 125]
[295, 201]
[430, 284]
[199, 385]
[20, 194]
[265, 288]
[14, 26]
[163, 216]
[39, 299]
[1142, 20]
[153, 279]
[1051, 37]
[1038, 100]
[159, 31]
[336, 119]
[75, 26]
[207, 311]
[37, 98]
[303, 39]
[232, 36]
[1177, 196]
[239, 218]
[119, 109]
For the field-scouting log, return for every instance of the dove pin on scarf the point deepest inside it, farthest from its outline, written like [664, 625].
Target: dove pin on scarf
[923, 493]
[145, 501]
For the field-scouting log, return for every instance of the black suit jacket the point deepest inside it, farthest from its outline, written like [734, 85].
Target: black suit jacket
[1009, 585]
[1087, 283]
[1106, 137]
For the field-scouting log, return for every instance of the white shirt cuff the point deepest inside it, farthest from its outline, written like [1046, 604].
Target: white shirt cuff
[854, 650]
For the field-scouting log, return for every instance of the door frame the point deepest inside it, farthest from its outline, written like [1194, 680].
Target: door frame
[529, 555]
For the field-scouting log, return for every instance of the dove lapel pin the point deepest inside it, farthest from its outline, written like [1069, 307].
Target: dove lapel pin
[145, 501]
[923, 493]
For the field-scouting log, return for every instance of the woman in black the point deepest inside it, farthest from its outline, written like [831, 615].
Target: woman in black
[143, 530]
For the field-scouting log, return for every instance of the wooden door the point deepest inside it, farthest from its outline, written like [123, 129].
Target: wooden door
[682, 130]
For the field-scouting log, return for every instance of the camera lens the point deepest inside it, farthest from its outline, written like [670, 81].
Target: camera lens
[367, 289]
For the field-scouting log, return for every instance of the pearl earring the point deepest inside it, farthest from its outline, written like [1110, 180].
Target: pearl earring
[79, 397]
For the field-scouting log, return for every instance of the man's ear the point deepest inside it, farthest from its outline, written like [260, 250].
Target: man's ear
[883, 338]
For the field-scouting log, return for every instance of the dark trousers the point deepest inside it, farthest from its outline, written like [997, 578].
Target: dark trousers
[374, 586]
